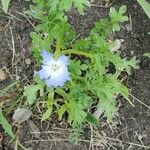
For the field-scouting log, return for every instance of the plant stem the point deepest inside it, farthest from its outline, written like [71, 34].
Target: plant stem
[58, 47]
[77, 52]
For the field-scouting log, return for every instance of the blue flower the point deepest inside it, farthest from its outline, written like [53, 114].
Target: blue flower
[54, 72]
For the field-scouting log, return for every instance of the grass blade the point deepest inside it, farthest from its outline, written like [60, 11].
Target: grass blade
[5, 124]
[146, 6]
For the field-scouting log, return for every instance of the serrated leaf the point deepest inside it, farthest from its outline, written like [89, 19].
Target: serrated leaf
[125, 93]
[147, 55]
[61, 111]
[30, 91]
[84, 67]
[79, 101]
[91, 119]
[66, 4]
[5, 124]
[102, 28]
[21, 114]
[61, 92]
[74, 67]
[50, 103]
[76, 113]
[80, 4]
[47, 114]
[109, 108]
[124, 64]
[117, 17]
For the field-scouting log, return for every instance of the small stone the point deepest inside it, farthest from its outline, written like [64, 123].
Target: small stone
[28, 61]
[21, 114]
[2, 75]
[128, 28]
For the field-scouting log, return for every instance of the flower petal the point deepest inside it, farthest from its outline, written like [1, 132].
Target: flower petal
[47, 57]
[43, 73]
[54, 72]
[56, 81]
[63, 60]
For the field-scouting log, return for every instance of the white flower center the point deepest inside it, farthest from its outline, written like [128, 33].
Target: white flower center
[55, 67]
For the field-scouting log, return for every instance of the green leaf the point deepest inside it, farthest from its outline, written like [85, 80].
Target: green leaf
[146, 6]
[125, 93]
[147, 55]
[78, 102]
[109, 108]
[102, 28]
[74, 67]
[82, 44]
[53, 5]
[39, 44]
[30, 91]
[80, 4]
[50, 103]
[47, 114]
[91, 119]
[61, 111]
[75, 135]
[84, 67]
[66, 5]
[5, 5]
[36, 13]
[5, 124]
[76, 113]
[124, 64]
[117, 16]
[61, 92]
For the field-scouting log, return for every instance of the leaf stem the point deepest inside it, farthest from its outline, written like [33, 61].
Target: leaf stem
[77, 52]
[58, 47]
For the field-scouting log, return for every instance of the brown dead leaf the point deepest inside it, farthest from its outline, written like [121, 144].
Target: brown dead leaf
[2, 75]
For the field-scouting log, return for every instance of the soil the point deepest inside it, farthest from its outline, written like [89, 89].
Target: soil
[132, 130]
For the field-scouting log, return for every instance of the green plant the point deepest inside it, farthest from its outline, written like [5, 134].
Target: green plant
[4, 93]
[5, 124]
[5, 5]
[91, 81]
[147, 55]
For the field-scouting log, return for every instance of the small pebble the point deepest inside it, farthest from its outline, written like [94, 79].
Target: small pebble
[2, 75]
[128, 28]
[28, 61]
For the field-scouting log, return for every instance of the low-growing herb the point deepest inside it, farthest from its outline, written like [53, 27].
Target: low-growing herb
[76, 77]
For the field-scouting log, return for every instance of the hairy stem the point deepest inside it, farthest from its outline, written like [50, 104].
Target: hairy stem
[77, 52]
[58, 47]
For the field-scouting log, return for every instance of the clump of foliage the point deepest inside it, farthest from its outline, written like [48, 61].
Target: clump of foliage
[91, 81]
